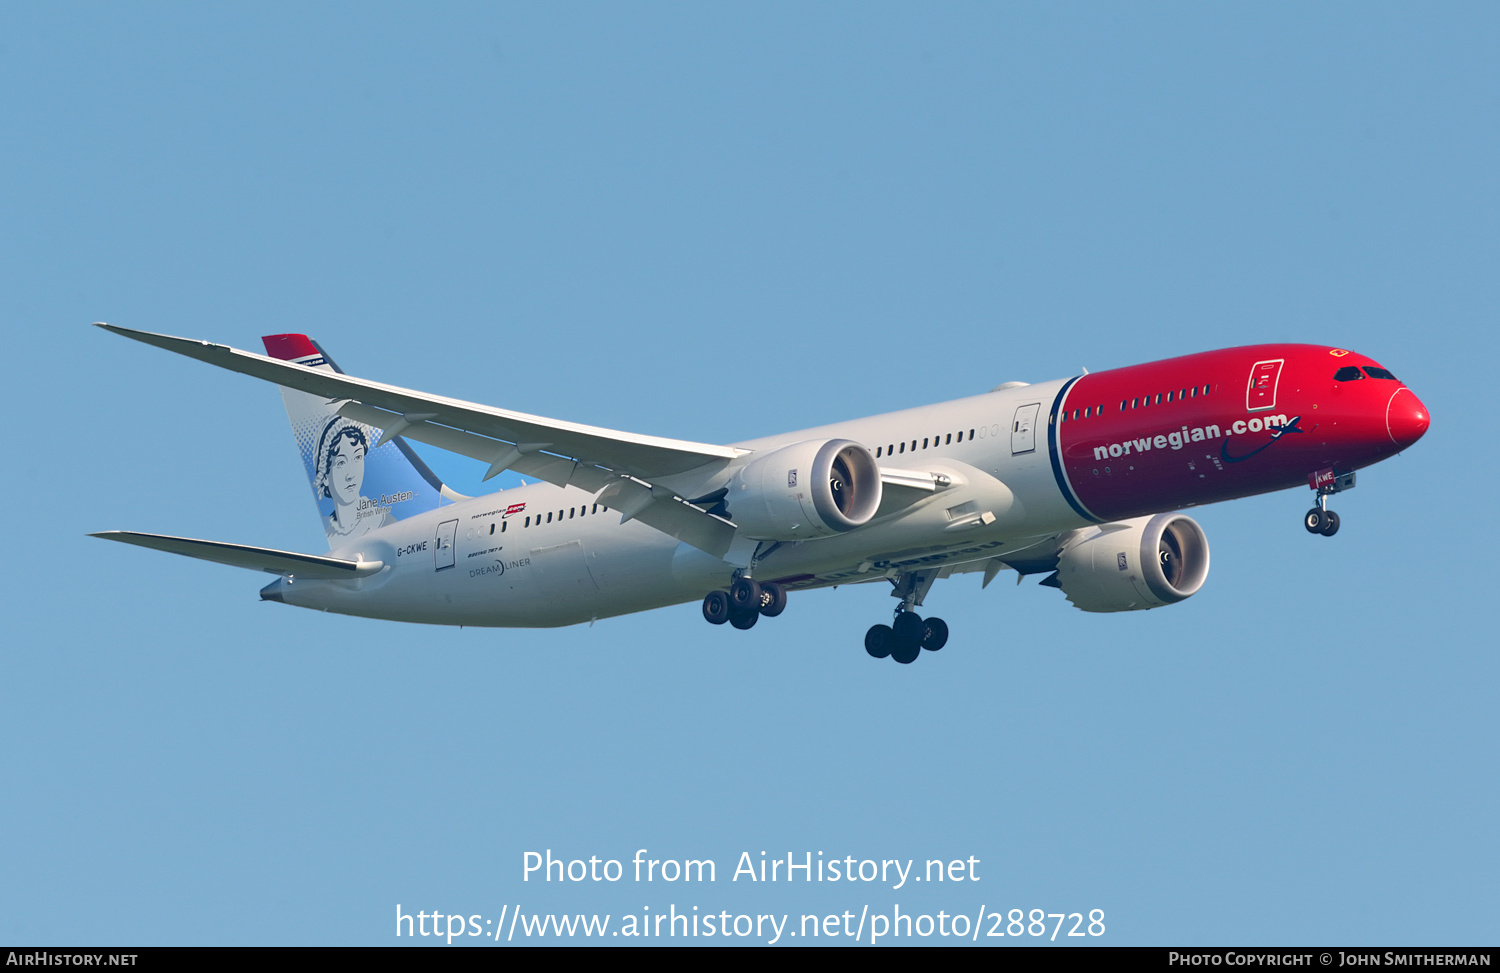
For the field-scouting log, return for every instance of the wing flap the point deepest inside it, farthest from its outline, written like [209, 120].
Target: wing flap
[900, 489]
[245, 556]
[557, 470]
[919, 480]
[670, 514]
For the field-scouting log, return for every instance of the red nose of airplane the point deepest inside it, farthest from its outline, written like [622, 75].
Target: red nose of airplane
[1406, 418]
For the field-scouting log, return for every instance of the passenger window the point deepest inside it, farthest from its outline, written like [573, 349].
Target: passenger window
[492, 528]
[1135, 403]
[924, 444]
[903, 447]
[528, 521]
[960, 435]
[1169, 396]
[913, 445]
[950, 440]
[570, 512]
[1347, 374]
[971, 434]
[504, 524]
[877, 452]
[1374, 372]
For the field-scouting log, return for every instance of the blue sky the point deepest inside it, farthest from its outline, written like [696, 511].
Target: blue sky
[714, 223]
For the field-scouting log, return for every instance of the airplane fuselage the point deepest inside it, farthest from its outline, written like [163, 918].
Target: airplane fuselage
[1019, 467]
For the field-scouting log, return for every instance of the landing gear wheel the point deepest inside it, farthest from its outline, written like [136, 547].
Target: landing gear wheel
[744, 619]
[935, 635]
[1314, 520]
[772, 600]
[909, 627]
[716, 607]
[879, 640]
[745, 594]
[1332, 526]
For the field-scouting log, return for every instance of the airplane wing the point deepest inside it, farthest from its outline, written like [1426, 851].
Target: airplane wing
[562, 453]
[244, 556]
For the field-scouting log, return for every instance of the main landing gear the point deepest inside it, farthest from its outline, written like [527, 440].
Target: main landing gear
[909, 633]
[1321, 520]
[744, 603]
[906, 637]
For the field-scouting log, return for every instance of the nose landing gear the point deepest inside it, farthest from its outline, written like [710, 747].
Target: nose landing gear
[1321, 520]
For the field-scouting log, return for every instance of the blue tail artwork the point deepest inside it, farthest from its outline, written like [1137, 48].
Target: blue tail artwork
[358, 482]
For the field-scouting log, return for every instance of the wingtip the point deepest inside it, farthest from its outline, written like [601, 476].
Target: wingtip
[136, 333]
[168, 341]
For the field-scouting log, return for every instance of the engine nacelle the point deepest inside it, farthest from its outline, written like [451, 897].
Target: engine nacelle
[807, 490]
[1135, 564]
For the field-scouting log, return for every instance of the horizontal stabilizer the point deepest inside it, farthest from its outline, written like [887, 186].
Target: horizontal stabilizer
[244, 556]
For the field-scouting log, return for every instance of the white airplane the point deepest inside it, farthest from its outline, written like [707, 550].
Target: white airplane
[1075, 478]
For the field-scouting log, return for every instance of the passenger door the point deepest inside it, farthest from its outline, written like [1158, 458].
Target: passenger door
[1023, 429]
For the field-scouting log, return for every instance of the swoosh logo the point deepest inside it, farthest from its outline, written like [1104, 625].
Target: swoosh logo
[1293, 426]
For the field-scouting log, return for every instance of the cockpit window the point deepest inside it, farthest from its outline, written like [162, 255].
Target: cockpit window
[1374, 372]
[1347, 374]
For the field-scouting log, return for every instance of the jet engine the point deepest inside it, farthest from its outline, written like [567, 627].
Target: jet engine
[1135, 564]
[807, 490]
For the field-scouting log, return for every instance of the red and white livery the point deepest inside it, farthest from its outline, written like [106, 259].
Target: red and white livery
[1078, 480]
